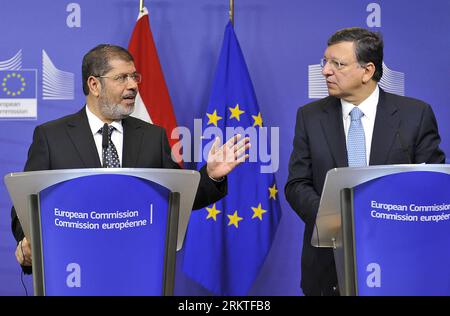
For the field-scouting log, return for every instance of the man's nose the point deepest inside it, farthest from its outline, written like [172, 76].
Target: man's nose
[327, 70]
[131, 84]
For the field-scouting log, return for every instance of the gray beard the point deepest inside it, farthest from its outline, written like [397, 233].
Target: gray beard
[114, 111]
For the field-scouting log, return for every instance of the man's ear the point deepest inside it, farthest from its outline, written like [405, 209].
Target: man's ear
[369, 70]
[94, 85]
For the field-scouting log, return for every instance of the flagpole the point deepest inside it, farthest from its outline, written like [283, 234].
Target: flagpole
[141, 6]
[231, 12]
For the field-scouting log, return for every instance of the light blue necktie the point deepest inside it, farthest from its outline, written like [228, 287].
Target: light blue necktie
[356, 141]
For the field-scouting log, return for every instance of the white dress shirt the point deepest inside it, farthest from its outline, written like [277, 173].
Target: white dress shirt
[117, 135]
[369, 109]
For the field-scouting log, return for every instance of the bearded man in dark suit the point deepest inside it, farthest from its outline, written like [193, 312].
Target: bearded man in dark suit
[110, 83]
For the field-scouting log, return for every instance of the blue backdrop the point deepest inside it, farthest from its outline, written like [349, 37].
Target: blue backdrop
[282, 42]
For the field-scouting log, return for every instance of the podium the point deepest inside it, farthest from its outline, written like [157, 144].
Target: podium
[105, 231]
[389, 227]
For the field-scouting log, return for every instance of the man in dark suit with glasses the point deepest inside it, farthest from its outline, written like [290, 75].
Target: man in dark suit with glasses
[110, 83]
[358, 124]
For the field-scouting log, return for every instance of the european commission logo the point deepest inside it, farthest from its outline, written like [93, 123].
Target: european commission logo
[18, 94]
[18, 87]
[392, 81]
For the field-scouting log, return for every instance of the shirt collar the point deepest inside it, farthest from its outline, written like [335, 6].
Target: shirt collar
[95, 123]
[368, 106]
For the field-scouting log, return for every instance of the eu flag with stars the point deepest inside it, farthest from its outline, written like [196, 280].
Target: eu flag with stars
[18, 84]
[227, 242]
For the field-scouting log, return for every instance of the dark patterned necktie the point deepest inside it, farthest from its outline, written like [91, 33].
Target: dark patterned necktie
[109, 153]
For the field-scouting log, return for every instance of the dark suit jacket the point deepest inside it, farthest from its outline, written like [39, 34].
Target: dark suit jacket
[67, 143]
[405, 131]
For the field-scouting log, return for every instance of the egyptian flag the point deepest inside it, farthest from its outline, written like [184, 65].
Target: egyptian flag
[153, 102]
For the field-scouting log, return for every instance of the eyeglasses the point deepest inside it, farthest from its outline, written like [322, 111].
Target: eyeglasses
[335, 64]
[123, 78]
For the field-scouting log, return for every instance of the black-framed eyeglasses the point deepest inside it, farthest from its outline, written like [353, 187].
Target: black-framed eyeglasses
[123, 78]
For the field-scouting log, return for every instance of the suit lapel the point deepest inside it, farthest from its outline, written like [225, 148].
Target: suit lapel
[81, 137]
[385, 131]
[333, 129]
[132, 140]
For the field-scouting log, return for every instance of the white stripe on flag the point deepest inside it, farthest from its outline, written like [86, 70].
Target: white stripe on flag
[140, 110]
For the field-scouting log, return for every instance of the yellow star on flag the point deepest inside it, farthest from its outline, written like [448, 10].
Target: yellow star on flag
[236, 112]
[234, 219]
[258, 212]
[212, 212]
[258, 120]
[213, 118]
[273, 191]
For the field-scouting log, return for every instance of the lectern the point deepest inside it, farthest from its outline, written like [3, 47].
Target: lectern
[104, 231]
[389, 227]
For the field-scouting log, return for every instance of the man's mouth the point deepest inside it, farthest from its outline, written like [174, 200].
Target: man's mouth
[129, 98]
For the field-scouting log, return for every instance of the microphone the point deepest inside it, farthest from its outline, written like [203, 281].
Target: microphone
[105, 132]
[404, 148]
